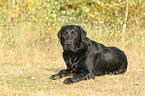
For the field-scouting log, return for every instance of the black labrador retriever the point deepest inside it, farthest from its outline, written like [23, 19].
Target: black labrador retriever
[85, 58]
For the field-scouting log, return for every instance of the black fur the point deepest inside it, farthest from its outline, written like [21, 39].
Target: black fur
[85, 58]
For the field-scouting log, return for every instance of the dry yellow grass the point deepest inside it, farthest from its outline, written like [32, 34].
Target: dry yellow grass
[25, 70]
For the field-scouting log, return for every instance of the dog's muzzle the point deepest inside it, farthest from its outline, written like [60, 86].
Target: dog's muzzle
[68, 45]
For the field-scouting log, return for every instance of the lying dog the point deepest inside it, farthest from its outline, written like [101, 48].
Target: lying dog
[85, 58]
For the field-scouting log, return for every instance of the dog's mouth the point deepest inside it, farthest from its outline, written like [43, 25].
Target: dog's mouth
[68, 48]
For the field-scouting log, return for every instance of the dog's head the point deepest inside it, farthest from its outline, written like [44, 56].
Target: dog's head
[71, 37]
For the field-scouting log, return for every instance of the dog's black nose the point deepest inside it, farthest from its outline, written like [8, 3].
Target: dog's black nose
[68, 44]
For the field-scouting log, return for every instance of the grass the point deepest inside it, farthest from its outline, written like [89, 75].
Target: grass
[25, 69]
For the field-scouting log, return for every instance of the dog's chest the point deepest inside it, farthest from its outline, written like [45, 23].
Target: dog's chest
[72, 63]
[75, 62]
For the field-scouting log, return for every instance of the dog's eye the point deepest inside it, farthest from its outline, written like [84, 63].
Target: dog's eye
[65, 34]
[74, 34]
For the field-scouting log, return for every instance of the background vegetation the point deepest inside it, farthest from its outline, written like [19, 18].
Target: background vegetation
[30, 52]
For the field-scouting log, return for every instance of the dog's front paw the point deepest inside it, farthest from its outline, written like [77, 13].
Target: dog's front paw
[55, 77]
[68, 81]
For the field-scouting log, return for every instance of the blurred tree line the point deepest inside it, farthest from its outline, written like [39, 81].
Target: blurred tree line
[47, 15]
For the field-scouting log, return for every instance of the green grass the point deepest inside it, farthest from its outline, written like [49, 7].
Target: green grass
[25, 69]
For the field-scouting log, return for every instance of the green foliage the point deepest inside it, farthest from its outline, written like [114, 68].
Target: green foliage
[49, 15]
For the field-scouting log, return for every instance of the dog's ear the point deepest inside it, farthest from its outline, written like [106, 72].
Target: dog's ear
[59, 33]
[83, 33]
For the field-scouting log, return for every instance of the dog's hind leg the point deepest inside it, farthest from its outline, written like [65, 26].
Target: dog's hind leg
[122, 68]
